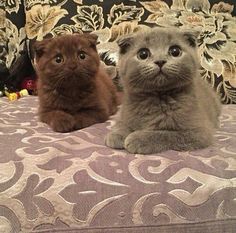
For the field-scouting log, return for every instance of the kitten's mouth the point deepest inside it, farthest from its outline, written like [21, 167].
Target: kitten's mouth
[160, 73]
[154, 74]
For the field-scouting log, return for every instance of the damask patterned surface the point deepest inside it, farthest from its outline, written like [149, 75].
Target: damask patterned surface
[71, 181]
[111, 19]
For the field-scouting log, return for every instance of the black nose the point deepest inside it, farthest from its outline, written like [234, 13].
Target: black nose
[160, 63]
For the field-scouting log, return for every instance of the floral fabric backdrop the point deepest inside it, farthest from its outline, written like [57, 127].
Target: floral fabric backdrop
[111, 19]
[3, 72]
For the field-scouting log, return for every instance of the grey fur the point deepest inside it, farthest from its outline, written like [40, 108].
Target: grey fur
[175, 109]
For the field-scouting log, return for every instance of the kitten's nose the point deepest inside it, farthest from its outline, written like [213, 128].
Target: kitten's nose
[72, 66]
[160, 63]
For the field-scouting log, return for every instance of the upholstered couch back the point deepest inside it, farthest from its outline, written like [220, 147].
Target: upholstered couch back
[22, 22]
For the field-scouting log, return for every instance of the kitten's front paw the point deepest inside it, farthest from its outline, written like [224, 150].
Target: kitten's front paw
[138, 145]
[114, 140]
[63, 123]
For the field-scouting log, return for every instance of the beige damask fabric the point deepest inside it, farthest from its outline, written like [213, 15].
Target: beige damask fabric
[34, 19]
[52, 182]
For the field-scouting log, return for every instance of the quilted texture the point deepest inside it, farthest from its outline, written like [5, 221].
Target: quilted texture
[52, 182]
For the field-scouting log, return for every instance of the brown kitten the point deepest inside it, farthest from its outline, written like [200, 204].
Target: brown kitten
[166, 104]
[74, 90]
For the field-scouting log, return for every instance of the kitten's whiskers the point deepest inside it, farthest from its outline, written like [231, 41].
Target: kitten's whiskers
[59, 82]
[174, 71]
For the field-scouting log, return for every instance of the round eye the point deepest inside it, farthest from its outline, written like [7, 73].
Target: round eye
[144, 53]
[82, 55]
[59, 59]
[175, 51]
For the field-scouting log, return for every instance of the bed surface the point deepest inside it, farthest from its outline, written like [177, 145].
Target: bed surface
[52, 182]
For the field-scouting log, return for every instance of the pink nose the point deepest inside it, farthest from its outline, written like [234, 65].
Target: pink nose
[73, 66]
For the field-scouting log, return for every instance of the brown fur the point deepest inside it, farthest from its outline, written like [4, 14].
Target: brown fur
[77, 92]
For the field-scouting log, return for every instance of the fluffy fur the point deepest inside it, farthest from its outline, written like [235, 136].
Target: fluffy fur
[74, 90]
[166, 105]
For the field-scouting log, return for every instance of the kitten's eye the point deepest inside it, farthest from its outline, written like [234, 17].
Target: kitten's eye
[59, 59]
[82, 55]
[144, 53]
[175, 51]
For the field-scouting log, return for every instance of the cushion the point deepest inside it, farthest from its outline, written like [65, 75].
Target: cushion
[53, 182]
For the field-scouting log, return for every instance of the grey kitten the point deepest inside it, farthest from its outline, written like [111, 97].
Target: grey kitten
[166, 104]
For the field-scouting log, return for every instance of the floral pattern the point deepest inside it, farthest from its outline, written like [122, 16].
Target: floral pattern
[52, 182]
[12, 5]
[112, 19]
[42, 19]
[121, 13]
[12, 31]
[2, 37]
[15, 40]
[89, 18]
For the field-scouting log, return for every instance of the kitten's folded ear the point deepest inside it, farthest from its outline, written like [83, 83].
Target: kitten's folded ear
[125, 43]
[39, 47]
[92, 38]
[191, 37]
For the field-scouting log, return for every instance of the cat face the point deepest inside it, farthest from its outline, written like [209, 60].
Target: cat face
[158, 59]
[68, 60]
